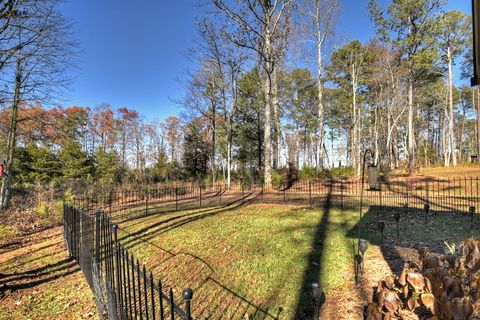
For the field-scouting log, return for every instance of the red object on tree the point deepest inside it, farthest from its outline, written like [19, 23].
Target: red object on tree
[2, 168]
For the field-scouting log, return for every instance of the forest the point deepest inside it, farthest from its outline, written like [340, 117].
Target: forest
[274, 88]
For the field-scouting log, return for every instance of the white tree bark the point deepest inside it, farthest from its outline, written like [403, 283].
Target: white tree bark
[451, 132]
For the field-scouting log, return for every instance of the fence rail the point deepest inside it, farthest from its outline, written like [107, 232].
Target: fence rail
[123, 288]
[452, 195]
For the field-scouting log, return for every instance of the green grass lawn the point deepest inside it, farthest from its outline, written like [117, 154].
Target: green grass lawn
[254, 258]
[259, 258]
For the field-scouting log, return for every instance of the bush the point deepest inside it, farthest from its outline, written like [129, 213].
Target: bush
[348, 171]
[6, 232]
[277, 178]
[68, 196]
[341, 172]
[43, 210]
[307, 173]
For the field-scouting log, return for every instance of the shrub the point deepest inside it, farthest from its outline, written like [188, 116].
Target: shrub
[341, 172]
[43, 210]
[307, 173]
[68, 196]
[6, 231]
[277, 178]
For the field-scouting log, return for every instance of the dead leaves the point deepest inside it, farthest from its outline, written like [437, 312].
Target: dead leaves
[446, 287]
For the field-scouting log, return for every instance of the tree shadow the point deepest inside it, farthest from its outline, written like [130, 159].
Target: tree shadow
[214, 298]
[307, 306]
[415, 229]
[148, 232]
[34, 277]
[9, 246]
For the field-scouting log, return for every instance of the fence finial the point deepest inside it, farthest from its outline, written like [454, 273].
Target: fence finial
[187, 294]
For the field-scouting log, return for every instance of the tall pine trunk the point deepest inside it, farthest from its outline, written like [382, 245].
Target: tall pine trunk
[320, 111]
[276, 118]
[451, 132]
[267, 89]
[410, 131]
[214, 130]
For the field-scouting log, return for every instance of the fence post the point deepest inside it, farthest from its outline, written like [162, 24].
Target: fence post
[380, 191]
[220, 194]
[262, 192]
[176, 198]
[187, 296]
[146, 201]
[97, 236]
[310, 192]
[200, 187]
[74, 233]
[116, 248]
[341, 193]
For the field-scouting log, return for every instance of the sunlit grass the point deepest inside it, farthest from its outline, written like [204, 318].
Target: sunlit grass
[265, 254]
[259, 252]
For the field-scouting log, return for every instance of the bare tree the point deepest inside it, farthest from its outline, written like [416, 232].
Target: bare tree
[319, 18]
[260, 26]
[37, 51]
[224, 62]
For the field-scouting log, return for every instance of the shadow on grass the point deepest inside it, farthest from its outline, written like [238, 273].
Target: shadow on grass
[153, 230]
[308, 305]
[35, 276]
[414, 231]
[222, 300]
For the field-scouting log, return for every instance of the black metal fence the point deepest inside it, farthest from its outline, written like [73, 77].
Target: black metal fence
[123, 288]
[449, 195]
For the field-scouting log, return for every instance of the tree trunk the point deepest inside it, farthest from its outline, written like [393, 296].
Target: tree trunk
[267, 88]
[320, 114]
[451, 132]
[410, 132]
[411, 138]
[276, 119]
[460, 137]
[375, 129]
[12, 139]
[355, 148]
[339, 147]
[214, 129]
[446, 155]
[124, 145]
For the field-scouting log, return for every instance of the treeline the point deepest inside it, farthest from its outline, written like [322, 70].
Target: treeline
[276, 89]
[79, 146]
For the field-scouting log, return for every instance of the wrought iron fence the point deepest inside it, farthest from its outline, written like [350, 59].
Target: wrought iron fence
[123, 288]
[447, 195]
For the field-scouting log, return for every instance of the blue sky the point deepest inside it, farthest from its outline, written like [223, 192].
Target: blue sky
[134, 52]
